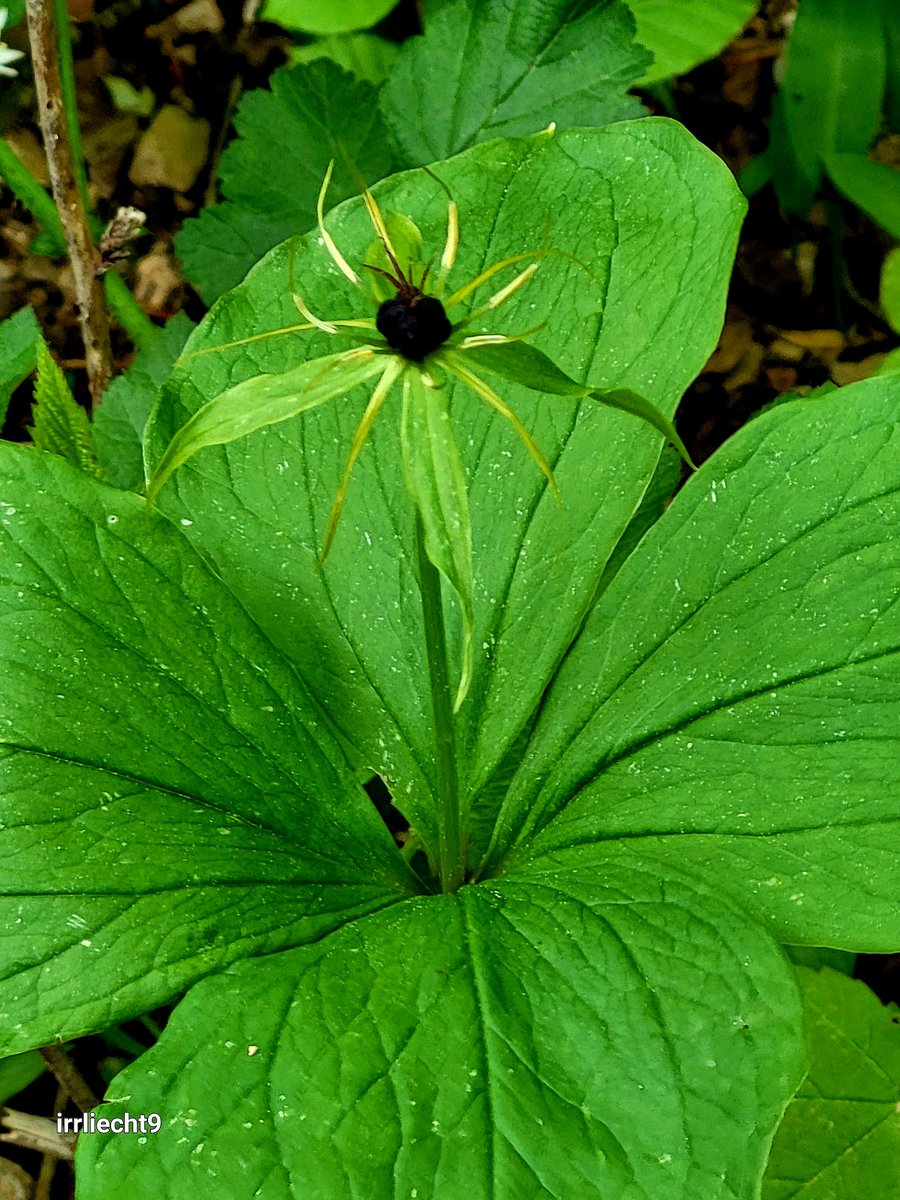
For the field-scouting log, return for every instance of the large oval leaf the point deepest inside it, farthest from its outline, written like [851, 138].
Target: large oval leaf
[574, 1033]
[652, 217]
[732, 702]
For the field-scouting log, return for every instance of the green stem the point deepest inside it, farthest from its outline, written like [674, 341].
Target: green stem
[128, 312]
[30, 192]
[70, 98]
[452, 865]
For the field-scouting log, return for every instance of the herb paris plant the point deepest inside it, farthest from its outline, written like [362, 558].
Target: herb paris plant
[420, 348]
[654, 764]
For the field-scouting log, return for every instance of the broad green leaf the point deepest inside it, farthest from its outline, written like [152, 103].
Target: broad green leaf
[890, 288]
[636, 193]
[258, 403]
[573, 1033]
[510, 68]
[271, 173]
[172, 797]
[18, 1071]
[61, 425]
[682, 33]
[841, 1133]
[831, 97]
[873, 187]
[119, 421]
[324, 16]
[816, 957]
[731, 705]
[436, 480]
[660, 490]
[362, 54]
[19, 340]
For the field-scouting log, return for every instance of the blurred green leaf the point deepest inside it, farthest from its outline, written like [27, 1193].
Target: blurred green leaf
[840, 1136]
[682, 33]
[326, 16]
[874, 187]
[362, 54]
[127, 99]
[18, 1071]
[20, 337]
[831, 96]
[890, 288]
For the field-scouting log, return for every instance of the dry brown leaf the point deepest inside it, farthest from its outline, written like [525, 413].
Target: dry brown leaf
[172, 152]
[852, 372]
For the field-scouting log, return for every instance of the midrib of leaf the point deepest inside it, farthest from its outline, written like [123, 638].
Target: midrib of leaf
[467, 931]
[150, 785]
[715, 595]
[532, 831]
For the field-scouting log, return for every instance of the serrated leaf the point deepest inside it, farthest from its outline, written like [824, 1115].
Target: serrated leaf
[841, 1133]
[20, 337]
[746, 721]
[271, 173]
[683, 33]
[61, 425]
[459, 1046]
[200, 807]
[509, 69]
[119, 421]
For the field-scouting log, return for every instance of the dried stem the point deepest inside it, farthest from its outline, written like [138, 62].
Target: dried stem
[37, 1133]
[64, 179]
[69, 1077]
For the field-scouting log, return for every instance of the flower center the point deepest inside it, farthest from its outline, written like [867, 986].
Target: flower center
[413, 324]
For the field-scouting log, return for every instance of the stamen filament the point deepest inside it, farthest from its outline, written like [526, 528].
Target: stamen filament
[487, 274]
[487, 393]
[338, 258]
[498, 339]
[325, 326]
[451, 245]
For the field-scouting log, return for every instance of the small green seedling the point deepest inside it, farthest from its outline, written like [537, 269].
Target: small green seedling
[411, 341]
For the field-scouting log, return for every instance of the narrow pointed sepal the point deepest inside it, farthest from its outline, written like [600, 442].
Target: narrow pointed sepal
[524, 364]
[261, 401]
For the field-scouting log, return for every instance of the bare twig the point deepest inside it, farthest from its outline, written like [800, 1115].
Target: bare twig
[69, 1077]
[73, 214]
[37, 1133]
